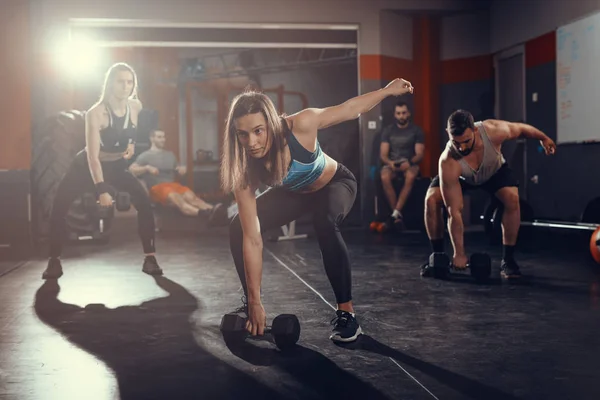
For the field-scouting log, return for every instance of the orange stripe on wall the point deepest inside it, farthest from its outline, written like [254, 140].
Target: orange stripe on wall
[15, 80]
[540, 50]
[468, 69]
[426, 42]
[379, 67]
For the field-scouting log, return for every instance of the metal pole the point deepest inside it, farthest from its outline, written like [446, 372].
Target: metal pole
[562, 225]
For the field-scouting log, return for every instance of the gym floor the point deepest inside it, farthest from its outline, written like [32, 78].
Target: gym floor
[105, 330]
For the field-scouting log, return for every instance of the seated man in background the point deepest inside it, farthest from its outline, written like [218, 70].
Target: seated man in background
[158, 169]
[401, 151]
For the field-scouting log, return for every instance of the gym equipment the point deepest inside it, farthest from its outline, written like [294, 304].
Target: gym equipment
[595, 245]
[101, 216]
[94, 226]
[492, 220]
[121, 202]
[379, 227]
[204, 155]
[480, 265]
[289, 233]
[55, 142]
[285, 330]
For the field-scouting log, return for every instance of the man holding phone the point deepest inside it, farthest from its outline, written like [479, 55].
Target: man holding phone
[401, 151]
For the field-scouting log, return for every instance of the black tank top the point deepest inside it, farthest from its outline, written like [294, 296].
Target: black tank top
[119, 132]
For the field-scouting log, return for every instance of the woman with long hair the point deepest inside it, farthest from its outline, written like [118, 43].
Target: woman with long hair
[283, 152]
[101, 167]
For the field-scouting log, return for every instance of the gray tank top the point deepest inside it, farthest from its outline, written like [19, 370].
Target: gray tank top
[492, 161]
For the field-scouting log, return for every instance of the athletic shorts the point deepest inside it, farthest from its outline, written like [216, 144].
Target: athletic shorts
[504, 177]
[160, 192]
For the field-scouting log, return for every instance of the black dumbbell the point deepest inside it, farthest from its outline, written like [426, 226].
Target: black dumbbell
[285, 330]
[121, 202]
[480, 265]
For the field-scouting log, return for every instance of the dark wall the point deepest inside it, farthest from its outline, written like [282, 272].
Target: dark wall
[15, 234]
[566, 181]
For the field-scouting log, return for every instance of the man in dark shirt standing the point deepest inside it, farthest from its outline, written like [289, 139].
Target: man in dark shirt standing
[401, 151]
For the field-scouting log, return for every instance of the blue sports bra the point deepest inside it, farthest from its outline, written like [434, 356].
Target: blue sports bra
[305, 166]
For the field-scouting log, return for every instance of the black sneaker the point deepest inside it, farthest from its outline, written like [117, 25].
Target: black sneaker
[151, 266]
[510, 270]
[217, 216]
[346, 328]
[53, 270]
[427, 271]
[397, 222]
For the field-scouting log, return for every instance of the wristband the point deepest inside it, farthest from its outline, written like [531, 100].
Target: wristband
[103, 187]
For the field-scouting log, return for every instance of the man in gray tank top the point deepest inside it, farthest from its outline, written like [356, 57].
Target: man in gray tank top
[472, 160]
[158, 169]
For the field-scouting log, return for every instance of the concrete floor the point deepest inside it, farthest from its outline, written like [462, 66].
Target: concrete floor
[105, 330]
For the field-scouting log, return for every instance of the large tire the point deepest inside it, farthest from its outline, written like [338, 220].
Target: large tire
[56, 141]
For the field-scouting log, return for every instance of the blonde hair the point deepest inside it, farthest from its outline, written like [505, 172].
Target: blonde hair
[110, 77]
[238, 168]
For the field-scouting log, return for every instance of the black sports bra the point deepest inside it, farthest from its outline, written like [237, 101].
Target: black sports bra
[119, 132]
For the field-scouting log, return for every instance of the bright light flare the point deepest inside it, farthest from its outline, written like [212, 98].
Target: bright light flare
[79, 58]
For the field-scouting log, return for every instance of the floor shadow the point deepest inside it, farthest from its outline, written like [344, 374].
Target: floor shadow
[151, 347]
[467, 387]
[553, 286]
[318, 376]
[467, 279]
[575, 288]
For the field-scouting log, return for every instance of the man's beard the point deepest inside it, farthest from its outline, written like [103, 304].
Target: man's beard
[401, 122]
[468, 151]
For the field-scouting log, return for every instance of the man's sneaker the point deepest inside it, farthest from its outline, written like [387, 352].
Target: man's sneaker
[427, 270]
[346, 328]
[53, 270]
[151, 266]
[397, 221]
[510, 270]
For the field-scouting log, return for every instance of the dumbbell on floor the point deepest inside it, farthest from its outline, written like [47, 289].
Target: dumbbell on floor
[439, 266]
[285, 330]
